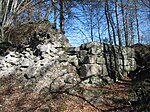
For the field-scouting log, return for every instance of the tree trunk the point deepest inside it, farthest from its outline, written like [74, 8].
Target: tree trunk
[124, 23]
[1, 11]
[113, 29]
[131, 27]
[107, 18]
[62, 18]
[99, 33]
[91, 23]
[137, 22]
[6, 12]
[55, 17]
[1, 21]
[118, 23]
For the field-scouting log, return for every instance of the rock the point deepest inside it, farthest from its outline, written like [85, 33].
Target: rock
[73, 50]
[72, 78]
[12, 59]
[83, 52]
[94, 50]
[100, 60]
[26, 63]
[73, 60]
[90, 45]
[87, 59]
[71, 69]
[88, 70]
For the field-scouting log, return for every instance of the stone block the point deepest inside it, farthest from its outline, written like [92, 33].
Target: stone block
[100, 60]
[126, 62]
[88, 70]
[83, 52]
[94, 50]
[73, 50]
[88, 59]
[26, 63]
[127, 67]
[104, 70]
[73, 60]
[91, 44]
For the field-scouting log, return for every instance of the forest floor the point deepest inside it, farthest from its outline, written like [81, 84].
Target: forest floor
[16, 98]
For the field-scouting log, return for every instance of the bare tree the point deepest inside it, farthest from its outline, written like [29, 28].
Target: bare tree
[131, 20]
[107, 18]
[118, 23]
[137, 20]
[112, 27]
[55, 12]
[62, 16]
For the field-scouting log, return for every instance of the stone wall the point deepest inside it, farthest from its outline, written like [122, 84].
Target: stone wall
[102, 63]
[47, 60]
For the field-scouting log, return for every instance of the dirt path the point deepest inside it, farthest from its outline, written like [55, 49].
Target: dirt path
[110, 98]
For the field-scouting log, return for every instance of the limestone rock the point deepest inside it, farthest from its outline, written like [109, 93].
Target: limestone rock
[88, 59]
[26, 63]
[88, 70]
[73, 50]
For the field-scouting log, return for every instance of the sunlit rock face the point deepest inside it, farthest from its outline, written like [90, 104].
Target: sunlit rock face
[46, 60]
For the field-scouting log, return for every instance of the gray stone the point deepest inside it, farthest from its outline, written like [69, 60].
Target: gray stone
[126, 62]
[12, 60]
[71, 69]
[73, 50]
[94, 50]
[87, 59]
[83, 52]
[71, 78]
[26, 63]
[73, 60]
[91, 44]
[100, 60]
[87, 70]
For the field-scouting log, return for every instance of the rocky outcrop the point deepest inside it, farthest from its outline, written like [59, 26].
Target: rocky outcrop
[46, 60]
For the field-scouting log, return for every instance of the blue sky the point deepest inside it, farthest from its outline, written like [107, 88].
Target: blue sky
[78, 33]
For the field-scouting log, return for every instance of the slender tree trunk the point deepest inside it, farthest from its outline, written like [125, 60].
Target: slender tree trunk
[62, 18]
[55, 18]
[118, 23]
[137, 21]
[1, 11]
[113, 29]
[99, 34]
[131, 27]
[98, 28]
[1, 21]
[107, 18]
[91, 23]
[98, 24]
[6, 12]
[124, 23]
